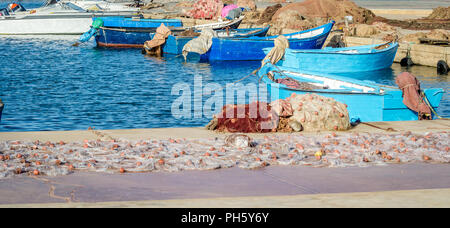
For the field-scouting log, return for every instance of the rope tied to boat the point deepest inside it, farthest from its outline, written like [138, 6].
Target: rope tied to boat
[406, 86]
[431, 107]
[277, 52]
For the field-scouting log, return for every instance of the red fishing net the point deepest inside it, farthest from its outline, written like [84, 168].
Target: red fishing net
[207, 9]
[254, 117]
[410, 87]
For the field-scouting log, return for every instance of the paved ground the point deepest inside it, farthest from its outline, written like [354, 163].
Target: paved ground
[276, 186]
[425, 198]
[234, 182]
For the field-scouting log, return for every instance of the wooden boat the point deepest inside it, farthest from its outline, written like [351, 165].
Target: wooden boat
[129, 32]
[339, 60]
[175, 43]
[133, 32]
[232, 48]
[367, 101]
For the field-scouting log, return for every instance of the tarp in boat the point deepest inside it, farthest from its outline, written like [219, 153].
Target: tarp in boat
[201, 44]
[227, 9]
[162, 32]
[277, 52]
[207, 9]
[410, 87]
[234, 13]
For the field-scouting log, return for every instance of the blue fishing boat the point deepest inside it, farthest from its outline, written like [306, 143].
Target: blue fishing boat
[129, 32]
[175, 43]
[341, 60]
[133, 32]
[366, 101]
[251, 48]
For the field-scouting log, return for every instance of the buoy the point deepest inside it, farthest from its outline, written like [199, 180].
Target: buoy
[406, 62]
[442, 67]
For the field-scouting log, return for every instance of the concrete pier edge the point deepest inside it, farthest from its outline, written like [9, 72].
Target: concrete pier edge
[388, 190]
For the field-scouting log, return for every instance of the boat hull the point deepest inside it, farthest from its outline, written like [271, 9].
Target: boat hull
[129, 33]
[364, 107]
[174, 44]
[337, 61]
[120, 32]
[48, 26]
[251, 48]
[53, 24]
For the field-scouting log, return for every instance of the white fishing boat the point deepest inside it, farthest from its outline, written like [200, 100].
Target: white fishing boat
[65, 17]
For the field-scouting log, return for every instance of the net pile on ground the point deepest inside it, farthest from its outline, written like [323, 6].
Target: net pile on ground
[123, 156]
[308, 112]
[314, 112]
[206, 9]
[254, 117]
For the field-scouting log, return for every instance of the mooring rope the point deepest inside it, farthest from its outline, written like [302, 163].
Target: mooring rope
[431, 107]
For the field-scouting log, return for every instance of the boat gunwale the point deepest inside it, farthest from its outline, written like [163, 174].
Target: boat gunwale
[324, 51]
[271, 38]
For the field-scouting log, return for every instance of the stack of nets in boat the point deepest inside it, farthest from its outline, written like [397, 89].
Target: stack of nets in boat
[308, 112]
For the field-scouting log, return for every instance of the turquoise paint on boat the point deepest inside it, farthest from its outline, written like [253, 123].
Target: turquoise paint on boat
[340, 60]
[367, 101]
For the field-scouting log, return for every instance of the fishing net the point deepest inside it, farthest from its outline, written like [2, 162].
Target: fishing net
[199, 45]
[309, 112]
[410, 87]
[207, 9]
[253, 117]
[314, 113]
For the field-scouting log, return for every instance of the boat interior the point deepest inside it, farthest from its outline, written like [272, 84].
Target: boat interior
[350, 50]
[321, 82]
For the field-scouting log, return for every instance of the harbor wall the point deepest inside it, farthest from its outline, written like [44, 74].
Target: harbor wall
[421, 54]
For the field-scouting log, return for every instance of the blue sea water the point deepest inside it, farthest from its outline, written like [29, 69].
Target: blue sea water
[47, 84]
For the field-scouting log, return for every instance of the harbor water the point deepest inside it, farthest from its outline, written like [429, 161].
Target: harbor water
[47, 84]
